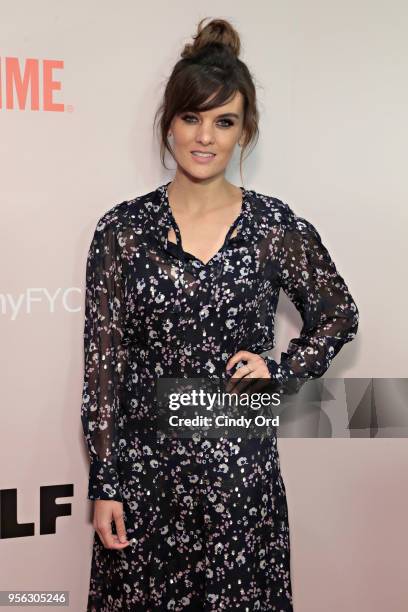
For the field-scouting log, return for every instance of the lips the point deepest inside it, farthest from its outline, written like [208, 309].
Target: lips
[202, 157]
[204, 153]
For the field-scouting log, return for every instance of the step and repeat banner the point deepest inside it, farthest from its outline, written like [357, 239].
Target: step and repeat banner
[79, 86]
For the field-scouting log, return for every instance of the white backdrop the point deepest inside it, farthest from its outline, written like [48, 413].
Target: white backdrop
[332, 90]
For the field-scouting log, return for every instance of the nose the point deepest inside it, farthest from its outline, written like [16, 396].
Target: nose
[205, 134]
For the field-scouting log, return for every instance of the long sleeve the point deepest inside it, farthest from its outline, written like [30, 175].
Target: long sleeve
[104, 361]
[330, 316]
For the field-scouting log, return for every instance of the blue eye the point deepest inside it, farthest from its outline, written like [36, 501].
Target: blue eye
[187, 117]
[227, 122]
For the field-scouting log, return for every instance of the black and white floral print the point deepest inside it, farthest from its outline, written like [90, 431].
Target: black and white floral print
[208, 517]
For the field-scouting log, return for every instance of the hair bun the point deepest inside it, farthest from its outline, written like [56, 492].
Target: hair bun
[216, 31]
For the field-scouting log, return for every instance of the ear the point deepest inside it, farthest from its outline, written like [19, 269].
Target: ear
[170, 131]
[242, 138]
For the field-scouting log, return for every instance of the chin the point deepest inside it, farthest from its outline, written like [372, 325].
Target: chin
[199, 172]
[196, 173]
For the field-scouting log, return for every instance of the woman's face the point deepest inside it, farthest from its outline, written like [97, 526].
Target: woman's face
[216, 131]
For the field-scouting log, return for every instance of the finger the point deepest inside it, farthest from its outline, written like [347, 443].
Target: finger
[240, 355]
[242, 384]
[255, 363]
[259, 367]
[108, 538]
[120, 527]
[259, 384]
[105, 533]
[115, 537]
[256, 368]
[236, 381]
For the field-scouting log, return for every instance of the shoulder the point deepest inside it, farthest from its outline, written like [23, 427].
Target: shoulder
[129, 214]
[275, 211]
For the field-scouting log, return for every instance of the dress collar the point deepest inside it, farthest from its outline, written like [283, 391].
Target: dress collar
[159, 219]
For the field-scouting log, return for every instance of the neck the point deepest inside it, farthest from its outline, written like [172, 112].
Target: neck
[189, 195]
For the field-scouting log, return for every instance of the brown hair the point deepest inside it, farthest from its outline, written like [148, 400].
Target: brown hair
[210, 64]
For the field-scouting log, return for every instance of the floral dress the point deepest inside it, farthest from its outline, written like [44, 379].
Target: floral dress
[208, 518]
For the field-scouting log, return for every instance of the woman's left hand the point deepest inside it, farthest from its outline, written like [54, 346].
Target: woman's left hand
[255, 366]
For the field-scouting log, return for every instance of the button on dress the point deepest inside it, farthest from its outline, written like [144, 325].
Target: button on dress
[208, 518]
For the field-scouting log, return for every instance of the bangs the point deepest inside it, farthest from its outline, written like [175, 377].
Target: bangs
[204, 92]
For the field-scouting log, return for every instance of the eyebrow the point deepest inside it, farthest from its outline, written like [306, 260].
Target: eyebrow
[229, 115]
[219, 116]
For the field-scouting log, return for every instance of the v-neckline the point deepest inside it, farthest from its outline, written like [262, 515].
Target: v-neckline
[176, 228]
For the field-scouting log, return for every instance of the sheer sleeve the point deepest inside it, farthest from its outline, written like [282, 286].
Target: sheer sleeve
[329, 314]
[104, 361]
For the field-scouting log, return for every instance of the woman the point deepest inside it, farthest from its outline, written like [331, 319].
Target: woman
[184, 282]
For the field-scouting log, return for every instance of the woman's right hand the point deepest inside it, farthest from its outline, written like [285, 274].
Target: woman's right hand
[106, 511]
